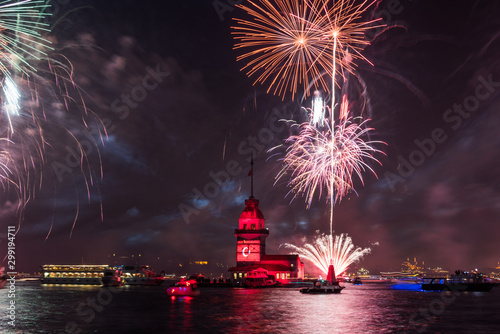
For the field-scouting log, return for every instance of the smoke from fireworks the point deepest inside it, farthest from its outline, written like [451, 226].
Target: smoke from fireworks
[327, 249]
[42, 109]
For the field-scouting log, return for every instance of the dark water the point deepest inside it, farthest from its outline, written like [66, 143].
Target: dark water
[369, 308]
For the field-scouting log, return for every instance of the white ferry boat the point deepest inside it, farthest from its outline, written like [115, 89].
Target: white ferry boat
[73, 274]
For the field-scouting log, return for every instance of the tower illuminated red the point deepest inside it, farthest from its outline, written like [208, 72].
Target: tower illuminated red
[251, 234]
[251, 254]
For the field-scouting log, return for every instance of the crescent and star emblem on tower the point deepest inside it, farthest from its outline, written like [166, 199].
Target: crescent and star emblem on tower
[243, 252]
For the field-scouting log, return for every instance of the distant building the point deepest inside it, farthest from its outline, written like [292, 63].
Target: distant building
[251, 249]
[408, 270]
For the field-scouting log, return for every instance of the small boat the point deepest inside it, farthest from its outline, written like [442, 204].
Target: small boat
[112, 277]
[3, 277]
[140, 275]
[323, 287]
[25, 277]
[331, 285]
[357, 281]
[184, 288]
[461, 281]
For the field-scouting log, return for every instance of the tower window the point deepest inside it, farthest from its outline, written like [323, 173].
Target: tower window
[253, 226]
[244, 226]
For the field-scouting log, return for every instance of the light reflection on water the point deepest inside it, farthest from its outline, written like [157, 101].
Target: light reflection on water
[370, 308]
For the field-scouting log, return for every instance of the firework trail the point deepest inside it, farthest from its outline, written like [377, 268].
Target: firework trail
[327, 249]
[294, 43]
[317, 114]
[42, 109]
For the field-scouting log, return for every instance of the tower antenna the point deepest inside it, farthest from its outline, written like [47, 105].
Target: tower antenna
[251, 176]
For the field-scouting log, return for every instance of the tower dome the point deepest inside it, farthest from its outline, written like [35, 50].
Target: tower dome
[251, 210]
[251, 218]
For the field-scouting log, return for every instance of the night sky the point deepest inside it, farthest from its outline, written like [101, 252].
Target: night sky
[434, 91]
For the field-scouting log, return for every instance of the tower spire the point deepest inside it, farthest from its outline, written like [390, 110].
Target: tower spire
[251, 176]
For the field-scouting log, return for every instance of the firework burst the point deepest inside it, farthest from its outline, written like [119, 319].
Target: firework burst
[294, 43]
[343, 32]
[20, 38]
[327, 249]
[320, 159]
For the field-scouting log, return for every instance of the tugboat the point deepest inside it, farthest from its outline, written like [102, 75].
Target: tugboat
[331, 285]
[184, 288]
[112, 277]
[461, 281]
[140, 275]
[357, 281]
